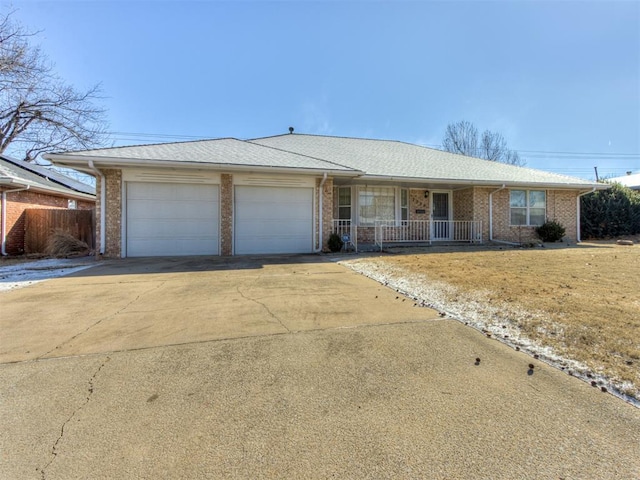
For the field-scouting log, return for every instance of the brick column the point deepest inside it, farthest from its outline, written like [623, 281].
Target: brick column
[327, 211]
[226, 214]
[113, 244]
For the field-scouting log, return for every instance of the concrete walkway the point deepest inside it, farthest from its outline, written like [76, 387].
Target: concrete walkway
[281, 367]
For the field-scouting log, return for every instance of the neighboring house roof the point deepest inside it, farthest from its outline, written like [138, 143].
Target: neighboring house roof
[227, 152]
[369, 160]
[632, 180]
[20, 173]
[386, 158]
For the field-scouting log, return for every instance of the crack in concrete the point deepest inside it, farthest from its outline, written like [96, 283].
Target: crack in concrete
[71, 339]
[263, 306]
[54, 448]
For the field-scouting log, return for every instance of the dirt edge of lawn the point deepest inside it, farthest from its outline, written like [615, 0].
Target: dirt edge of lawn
[497, 321]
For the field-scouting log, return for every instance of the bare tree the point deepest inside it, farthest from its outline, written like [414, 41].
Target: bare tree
[39, 112]
[462, 138]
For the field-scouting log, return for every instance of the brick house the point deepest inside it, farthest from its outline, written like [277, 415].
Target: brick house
[24, 185]
[288, 193]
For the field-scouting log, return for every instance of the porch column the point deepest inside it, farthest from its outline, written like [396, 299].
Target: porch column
[326, 222]
[226, 214]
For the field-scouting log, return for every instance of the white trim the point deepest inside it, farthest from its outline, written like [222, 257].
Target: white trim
[149, 175]
[265, 180]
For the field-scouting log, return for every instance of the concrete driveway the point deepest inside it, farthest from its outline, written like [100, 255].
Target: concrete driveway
[280, 367]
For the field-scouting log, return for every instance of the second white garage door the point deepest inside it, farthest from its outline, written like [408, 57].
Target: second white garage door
[273, 220]
[172, 219]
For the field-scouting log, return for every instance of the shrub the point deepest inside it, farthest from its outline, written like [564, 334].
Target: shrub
[551, 231]
[610, 213]
[335, 242]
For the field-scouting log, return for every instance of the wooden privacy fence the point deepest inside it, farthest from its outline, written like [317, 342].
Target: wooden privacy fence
[41, 223]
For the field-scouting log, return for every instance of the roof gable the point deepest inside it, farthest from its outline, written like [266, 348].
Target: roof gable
[224, 151]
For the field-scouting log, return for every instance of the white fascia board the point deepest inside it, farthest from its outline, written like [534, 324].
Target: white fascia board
[483, 183]
[81, 162]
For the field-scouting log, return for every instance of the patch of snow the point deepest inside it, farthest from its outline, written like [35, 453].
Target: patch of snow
[22, 275]
[498, 320]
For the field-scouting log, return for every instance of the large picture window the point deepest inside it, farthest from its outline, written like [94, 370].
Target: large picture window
[528, 207]
[376, 203]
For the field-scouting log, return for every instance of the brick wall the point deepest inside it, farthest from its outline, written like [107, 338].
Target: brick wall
[113, 247]
[327, 211]
[561, 206]
[417, 201]
[18, 202]
[226, 214]
[463, 206]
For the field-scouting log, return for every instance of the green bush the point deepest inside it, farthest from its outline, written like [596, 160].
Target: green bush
[551, 231]
[610, 213]
[334, 242]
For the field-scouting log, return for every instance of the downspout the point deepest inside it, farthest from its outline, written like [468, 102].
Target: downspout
[491, 211]
[4, 216]
[578, 239]
[324, 179]
[103, 206]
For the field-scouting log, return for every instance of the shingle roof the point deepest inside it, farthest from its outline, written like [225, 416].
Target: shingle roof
[632, 180]
[365, 158]
[42, 178]
[387, 158]
[224, 151]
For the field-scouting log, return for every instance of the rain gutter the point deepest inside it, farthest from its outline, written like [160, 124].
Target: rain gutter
[103, 205]
[578, 239]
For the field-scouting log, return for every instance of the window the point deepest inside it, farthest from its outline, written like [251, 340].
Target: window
[376, 203]
[404, 205]
[72, 204]
[528, 207]
[344, 203]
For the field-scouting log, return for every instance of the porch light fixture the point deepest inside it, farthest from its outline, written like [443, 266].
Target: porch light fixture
[426, 194]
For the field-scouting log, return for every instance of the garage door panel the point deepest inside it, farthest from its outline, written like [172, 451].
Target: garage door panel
[273, 220]
[172, 219]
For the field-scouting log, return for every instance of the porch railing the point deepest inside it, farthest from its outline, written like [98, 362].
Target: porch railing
[346, 227]
[428, 231]
[457, 231]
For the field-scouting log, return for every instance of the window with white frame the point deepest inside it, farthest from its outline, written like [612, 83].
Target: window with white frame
[528, 207]
[72, 204]
[344, 203]
[376, 204]
[404, 205]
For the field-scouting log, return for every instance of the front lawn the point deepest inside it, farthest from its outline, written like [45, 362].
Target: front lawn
[577, 303]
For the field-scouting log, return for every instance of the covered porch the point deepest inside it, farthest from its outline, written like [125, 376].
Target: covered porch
[385, 233]
[370, 217]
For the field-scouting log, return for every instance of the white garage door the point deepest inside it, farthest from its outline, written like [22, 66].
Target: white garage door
[273, 220]
[172, 219]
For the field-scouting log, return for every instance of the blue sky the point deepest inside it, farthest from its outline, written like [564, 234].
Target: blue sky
[550, 76]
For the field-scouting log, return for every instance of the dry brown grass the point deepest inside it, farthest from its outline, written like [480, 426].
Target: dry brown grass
[589, 295]
[63, 244]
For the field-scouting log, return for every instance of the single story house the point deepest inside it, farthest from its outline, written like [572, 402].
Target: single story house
[288, 193]
[631, 180]
[24, 185]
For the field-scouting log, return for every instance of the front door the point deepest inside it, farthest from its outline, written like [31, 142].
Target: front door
[441, 215]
